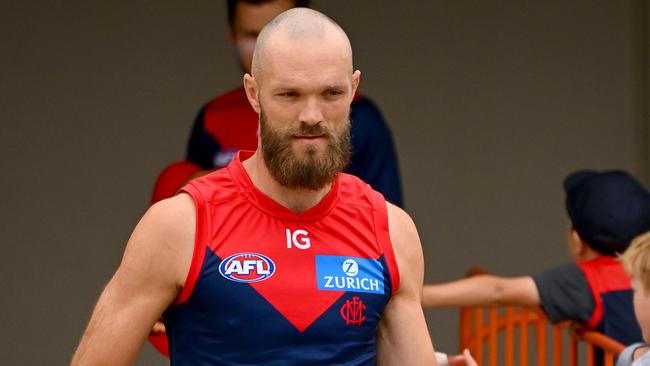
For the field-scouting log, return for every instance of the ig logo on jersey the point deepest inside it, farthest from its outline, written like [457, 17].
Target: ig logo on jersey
[247, 267]
[299, 239]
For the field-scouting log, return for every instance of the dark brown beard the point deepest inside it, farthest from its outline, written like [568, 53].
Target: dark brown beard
[312, 170]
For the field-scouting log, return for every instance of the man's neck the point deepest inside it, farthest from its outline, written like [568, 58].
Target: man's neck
[295, 199]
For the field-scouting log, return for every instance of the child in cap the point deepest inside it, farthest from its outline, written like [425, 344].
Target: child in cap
[636, 261]
[607, 210]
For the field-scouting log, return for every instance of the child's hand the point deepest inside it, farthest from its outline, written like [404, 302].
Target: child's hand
[464, 359]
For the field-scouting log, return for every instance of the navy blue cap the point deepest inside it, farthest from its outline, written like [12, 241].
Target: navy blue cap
[607, 209]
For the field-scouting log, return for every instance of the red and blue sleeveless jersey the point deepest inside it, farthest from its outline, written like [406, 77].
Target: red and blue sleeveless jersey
[613, 313]
[268, 286]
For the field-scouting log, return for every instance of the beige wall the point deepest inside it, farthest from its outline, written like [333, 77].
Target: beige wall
[491, 105]
[646, 23]
[641, 27]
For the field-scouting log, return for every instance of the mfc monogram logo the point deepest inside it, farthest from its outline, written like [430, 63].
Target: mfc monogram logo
[298, 238]
[352, 311]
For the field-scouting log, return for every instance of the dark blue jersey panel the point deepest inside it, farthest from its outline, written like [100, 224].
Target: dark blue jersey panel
[618, 321]
[229, 323]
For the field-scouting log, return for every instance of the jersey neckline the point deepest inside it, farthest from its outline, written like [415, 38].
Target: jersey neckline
[267, 204]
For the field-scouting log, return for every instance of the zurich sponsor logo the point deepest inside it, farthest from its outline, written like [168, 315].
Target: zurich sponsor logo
[247, 267]
[338, 273]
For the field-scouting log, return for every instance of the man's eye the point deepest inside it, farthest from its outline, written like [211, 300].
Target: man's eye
[289, 94]
[333, 93]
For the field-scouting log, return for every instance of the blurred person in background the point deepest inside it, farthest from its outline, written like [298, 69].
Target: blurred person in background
[228, 124]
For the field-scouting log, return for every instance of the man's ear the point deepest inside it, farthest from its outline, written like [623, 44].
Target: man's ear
[356, 79]
[252, 92]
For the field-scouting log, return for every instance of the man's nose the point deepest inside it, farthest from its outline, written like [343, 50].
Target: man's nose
[311, 112]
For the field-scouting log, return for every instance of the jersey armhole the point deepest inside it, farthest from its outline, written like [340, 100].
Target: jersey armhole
[200, 237]
[382, 234]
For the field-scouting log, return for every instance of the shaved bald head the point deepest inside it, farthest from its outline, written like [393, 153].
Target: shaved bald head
[299, 25]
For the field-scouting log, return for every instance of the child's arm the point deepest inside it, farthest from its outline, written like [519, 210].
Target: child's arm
[482, 290]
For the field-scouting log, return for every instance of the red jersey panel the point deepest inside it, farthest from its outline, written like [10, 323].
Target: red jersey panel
[611, 288]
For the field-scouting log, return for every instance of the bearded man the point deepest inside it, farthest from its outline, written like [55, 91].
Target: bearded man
[280, 258]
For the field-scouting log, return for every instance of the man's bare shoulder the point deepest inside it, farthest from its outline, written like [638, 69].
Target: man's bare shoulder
[399, 222]
[398, 212]
[172, 212]
[165, 235]
[407, 248]
[172, 223]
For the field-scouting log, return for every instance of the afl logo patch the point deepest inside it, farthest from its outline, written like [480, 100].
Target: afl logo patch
[247, 267]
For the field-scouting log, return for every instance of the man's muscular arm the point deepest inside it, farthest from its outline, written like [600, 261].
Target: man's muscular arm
[403, 335]
[154, 267]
